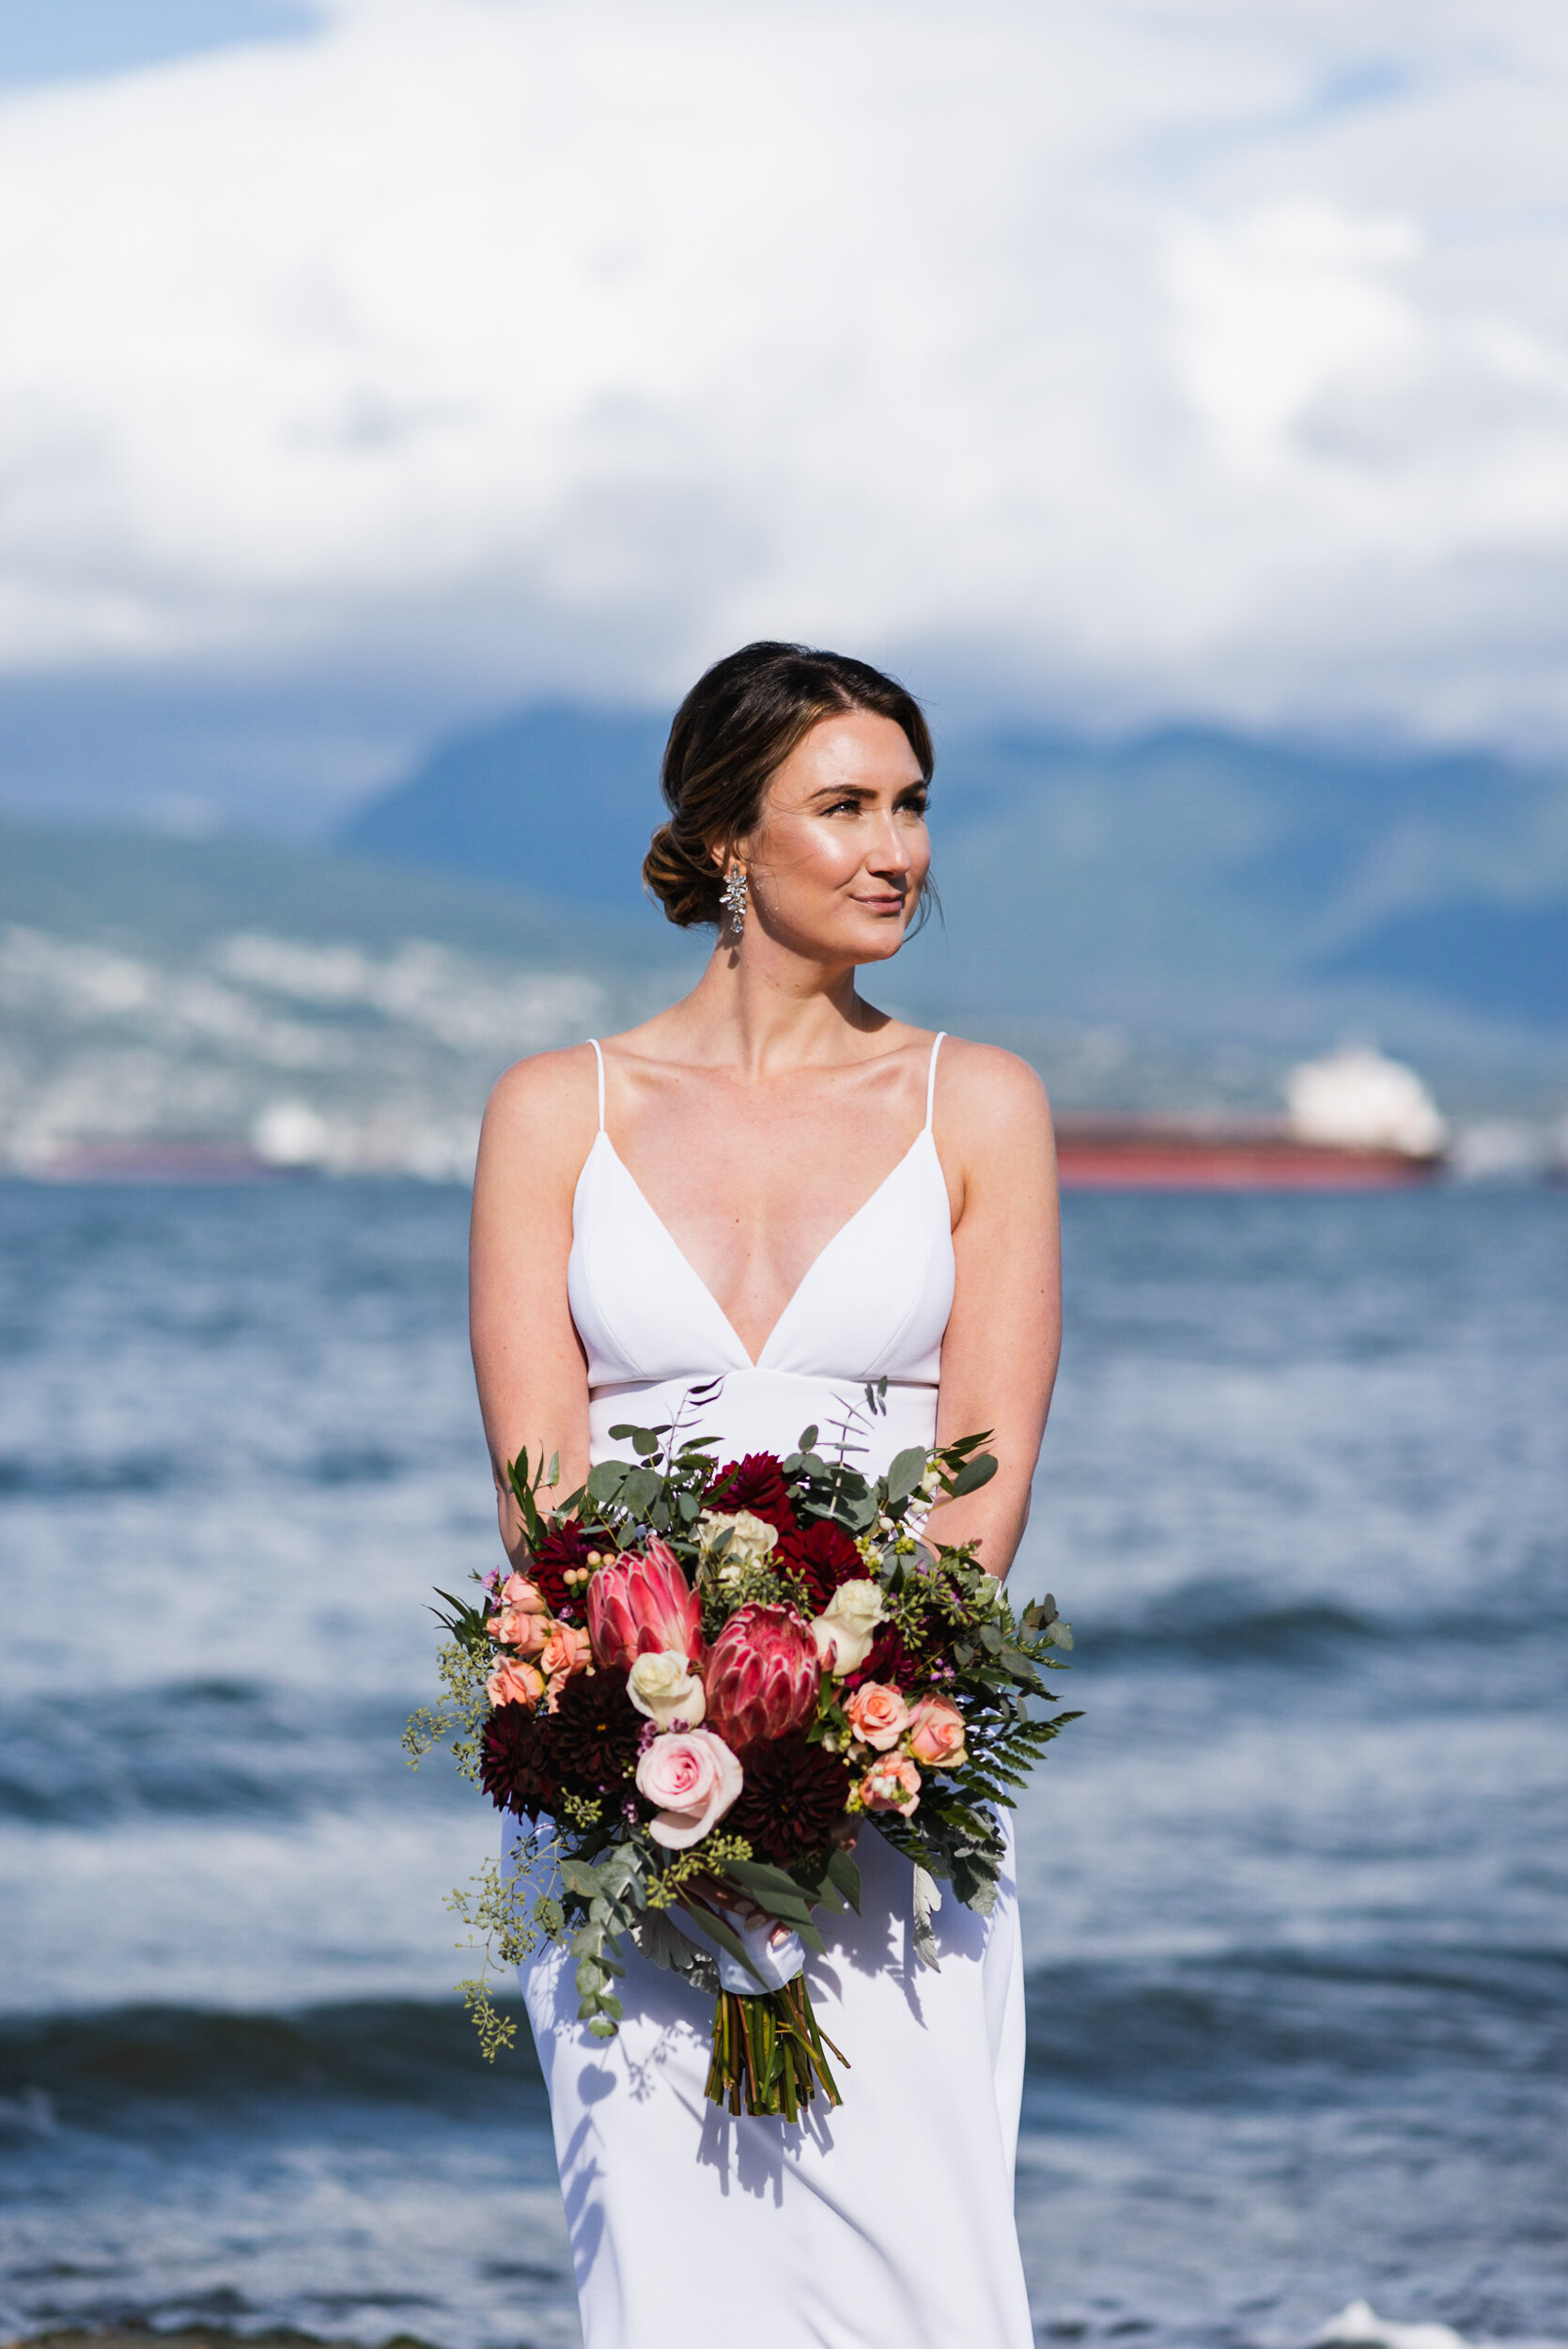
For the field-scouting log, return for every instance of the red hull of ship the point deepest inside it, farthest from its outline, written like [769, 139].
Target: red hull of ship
[1154, 1161]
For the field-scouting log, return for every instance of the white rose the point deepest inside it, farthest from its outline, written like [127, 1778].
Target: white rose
[666, 1687]
[750, 1540]
[844, 1632]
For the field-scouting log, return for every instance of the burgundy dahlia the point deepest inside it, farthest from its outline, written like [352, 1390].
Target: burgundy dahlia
[559, 1569]
[823, 1556]
[889, 1661]
[756, 1483]
[512, 1766]
[591, 1741]
[762, 1676]
[794, 1795]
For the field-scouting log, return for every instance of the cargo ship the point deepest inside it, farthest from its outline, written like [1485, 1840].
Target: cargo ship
[1353, 1121]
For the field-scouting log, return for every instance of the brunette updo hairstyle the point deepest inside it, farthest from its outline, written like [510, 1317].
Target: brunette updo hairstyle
[730, 736]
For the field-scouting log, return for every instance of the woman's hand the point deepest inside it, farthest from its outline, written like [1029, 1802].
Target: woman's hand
[713, 1893]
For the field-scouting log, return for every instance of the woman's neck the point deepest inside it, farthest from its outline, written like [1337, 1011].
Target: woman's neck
[760, 1009]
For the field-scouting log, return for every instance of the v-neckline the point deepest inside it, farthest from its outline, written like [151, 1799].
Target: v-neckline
[751, 1362]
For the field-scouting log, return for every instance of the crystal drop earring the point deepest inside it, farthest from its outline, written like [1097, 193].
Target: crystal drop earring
[734, 897]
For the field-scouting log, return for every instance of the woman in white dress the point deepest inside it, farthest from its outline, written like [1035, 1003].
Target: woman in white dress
[744, 1210]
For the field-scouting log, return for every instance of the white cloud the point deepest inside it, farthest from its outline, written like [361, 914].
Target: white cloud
[1116, 359]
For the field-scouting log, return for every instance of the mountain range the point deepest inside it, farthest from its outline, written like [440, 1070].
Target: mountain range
[1167, 923]
[1195, 883]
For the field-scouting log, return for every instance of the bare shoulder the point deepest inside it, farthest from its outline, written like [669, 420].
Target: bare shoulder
[988, 1098]
[543, 1114]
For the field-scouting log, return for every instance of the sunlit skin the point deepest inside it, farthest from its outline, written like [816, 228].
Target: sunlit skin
[758, 1115]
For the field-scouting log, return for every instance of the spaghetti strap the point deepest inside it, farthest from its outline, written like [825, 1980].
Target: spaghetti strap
[599, 1058]
[930, 1082]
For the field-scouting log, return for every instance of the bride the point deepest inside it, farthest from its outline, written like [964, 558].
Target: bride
[746, 1210]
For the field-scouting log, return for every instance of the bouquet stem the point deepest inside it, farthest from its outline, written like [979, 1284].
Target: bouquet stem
[768, 2053]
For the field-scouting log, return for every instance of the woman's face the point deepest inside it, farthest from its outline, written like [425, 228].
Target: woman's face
[837, 865]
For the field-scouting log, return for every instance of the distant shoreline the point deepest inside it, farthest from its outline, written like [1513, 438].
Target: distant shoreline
[132, 2336]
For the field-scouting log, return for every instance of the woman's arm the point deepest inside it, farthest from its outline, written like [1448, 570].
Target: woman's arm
[1000, 1353]
[533, 1379]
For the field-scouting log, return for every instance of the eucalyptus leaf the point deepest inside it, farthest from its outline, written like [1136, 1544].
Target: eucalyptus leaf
[974, 1473]
[847, 1876]
[907, 1468]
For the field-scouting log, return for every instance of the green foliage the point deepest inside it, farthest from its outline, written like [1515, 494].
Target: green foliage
[464, 1663]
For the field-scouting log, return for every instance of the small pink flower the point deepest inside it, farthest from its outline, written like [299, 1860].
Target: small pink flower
[691, 1777]
[891, 1785]
[937, 1733]
[877, 1714]
[515, 1683]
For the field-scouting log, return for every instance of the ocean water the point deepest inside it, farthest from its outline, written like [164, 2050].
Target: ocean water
[1294, 1888]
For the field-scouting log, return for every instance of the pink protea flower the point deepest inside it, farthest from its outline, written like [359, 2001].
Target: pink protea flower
[763, 1675]
[642, 1606]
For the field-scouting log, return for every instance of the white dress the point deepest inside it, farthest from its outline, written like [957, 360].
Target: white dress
[887, 2223]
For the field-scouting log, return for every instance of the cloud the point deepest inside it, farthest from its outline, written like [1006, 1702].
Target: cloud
[1108, 361]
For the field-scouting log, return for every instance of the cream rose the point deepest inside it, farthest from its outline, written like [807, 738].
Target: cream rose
[691, 1777]
[844, 1630]
[666, 1687]
[877, 1714]
[750, 1539]
[937, 1733]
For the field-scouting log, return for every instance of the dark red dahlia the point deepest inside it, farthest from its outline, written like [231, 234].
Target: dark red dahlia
[563, 1553]
[512, 1769]
[888, 1662]
[794, 1795]
[823, 1556]
[756, 1483]
[591, 1741]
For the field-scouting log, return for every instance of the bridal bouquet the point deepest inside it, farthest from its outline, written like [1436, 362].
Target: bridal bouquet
[702, 1684]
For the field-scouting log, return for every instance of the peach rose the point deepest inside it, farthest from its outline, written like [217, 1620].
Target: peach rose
[937, 1733]
[891, 1785]
[515, 1683]
[564, 1652]
[521, 1615]
[877, 1714]
[691, 1777]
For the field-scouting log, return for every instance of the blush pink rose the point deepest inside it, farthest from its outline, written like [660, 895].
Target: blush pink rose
[877, 1714]
[515, 1683]
[691, 1777]
[891, 1785]
[937, 1733]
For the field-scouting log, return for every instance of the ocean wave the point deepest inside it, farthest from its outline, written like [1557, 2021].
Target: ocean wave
[198, 1749]
[1233, 1620]
[118, 2065]
[1253, 2029]
[66, 1476]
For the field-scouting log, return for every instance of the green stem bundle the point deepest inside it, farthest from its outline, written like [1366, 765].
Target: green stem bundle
[768, 2054]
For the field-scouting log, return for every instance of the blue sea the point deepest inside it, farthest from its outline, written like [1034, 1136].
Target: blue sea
[1294, 1886]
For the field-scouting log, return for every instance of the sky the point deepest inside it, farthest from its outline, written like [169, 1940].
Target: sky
[370, 366]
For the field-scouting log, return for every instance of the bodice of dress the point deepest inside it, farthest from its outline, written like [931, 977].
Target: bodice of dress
[873, 1305]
